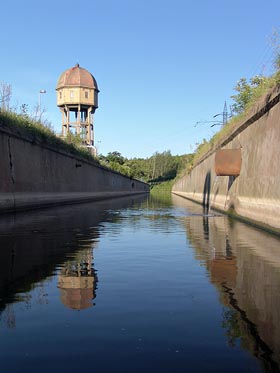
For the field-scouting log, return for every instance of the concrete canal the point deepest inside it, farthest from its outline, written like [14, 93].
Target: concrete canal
[137, 284]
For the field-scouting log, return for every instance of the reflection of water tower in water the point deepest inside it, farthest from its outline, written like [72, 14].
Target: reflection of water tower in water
[77, 281]
[77, 98]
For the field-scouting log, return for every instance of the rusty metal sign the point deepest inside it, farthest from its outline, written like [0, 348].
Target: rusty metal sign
[228, 162]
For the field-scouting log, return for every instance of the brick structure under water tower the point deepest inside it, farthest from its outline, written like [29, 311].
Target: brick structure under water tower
[77, 99]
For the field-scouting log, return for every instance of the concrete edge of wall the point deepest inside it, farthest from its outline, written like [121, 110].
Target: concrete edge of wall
[232, 213]
[11, 202]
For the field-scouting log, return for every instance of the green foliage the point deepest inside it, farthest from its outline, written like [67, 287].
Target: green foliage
[23, 121]
[74, 139]
[163, 166]
[115, 157]
[231, 324]
[157, 168]
[138, 168]
[116, 162]
[163, 187]
[249, 92]
[123, 169]
[243, 97]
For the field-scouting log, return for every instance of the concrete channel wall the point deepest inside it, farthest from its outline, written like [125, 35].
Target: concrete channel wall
[34, 173]
[254, 195]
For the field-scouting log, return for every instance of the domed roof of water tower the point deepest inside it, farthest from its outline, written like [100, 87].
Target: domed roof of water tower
[77, 77]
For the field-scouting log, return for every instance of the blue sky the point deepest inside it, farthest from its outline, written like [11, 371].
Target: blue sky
[161, 66]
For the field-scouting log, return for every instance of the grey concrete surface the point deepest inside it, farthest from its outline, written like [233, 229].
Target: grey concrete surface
[254, 195]
[35, 173]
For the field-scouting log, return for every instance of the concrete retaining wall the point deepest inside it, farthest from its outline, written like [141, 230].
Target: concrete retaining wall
[254, 195]
[35, 173]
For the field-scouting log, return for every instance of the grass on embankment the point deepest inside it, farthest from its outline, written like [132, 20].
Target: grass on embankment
[42, 133]
[160, 188]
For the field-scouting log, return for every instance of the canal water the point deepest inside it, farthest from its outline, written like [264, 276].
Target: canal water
[137, 284]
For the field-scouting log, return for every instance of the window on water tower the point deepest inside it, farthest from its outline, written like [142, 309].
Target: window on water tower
[86, 94]
[71, 94]
[60, 94]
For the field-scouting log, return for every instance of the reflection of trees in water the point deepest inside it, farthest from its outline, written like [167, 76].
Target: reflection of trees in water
[240, 329]
[231, 325]
[35, 294]
[160, 200]
[8, 316]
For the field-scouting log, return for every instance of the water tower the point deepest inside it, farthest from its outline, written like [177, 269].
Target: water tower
[77, 280]
[77, 99]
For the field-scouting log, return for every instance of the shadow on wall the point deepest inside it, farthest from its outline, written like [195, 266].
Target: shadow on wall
[206, 190]
[231, 180]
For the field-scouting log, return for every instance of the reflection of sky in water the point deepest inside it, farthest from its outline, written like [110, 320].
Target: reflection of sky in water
[127, 286]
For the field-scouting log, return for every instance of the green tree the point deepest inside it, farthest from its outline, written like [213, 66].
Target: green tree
[243, 96]
[248, 92]
[115, 157]
[159, 167]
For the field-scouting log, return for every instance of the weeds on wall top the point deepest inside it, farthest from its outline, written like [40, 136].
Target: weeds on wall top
[42, 133]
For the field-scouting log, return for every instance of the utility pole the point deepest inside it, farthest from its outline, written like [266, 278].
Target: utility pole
[223, 122]
[225, 116]
[40, 111]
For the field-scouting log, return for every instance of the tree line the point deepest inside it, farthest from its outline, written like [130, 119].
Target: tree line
[157, 168]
